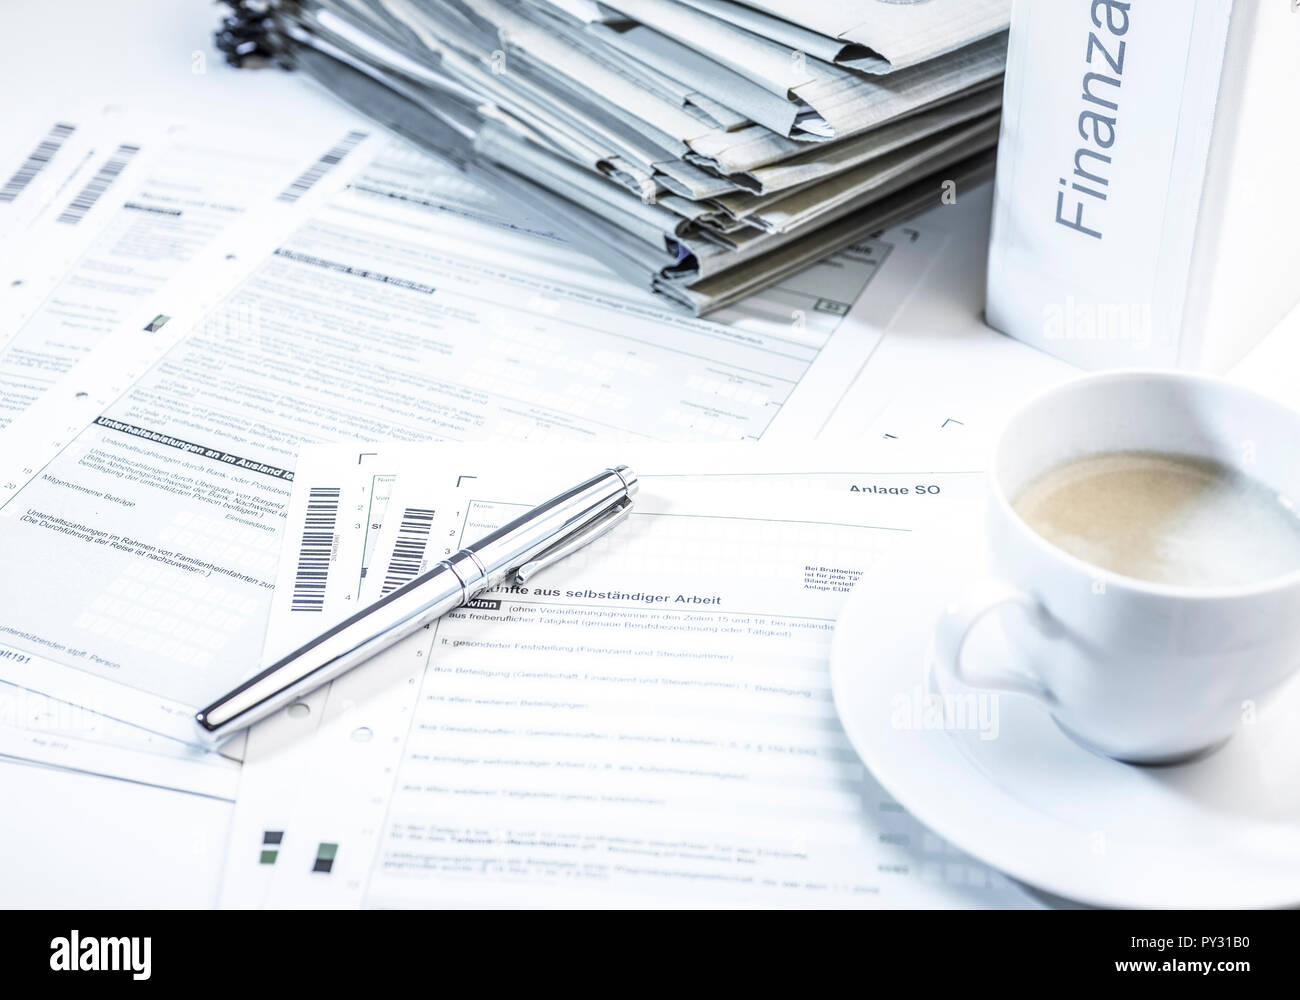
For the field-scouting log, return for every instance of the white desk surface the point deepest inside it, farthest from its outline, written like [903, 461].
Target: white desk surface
[67, 840]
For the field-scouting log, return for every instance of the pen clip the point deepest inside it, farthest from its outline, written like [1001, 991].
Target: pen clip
[589, 532]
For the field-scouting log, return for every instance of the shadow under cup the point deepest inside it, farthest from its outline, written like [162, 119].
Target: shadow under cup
[1145, 672]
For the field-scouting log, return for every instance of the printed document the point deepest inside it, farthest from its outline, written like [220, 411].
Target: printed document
[151, 483]
[648, 721]
[118, 250]
[157, 193]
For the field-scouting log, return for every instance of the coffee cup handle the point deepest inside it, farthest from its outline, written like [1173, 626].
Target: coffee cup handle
[959, 619]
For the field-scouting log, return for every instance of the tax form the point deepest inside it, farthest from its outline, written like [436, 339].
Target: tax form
[121, 244]
[647, 723]
[150, 484]
[156, 193]
[52, 153]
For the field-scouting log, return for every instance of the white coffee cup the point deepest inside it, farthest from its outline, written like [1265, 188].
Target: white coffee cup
[1143, 672]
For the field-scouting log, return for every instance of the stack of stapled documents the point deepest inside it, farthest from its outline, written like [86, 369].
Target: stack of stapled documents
[703, 149]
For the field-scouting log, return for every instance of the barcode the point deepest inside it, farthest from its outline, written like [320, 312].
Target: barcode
[317, 546]
[97, 185]
[37, 161]
[320, 168]
[408, 550]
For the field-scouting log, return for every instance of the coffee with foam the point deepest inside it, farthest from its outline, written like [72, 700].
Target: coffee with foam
[1165, 518]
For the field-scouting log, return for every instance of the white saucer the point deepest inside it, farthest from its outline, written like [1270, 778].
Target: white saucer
[1223, 831]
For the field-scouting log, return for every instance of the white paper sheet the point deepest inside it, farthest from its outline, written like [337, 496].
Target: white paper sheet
[157, 193]
[81, 842]
[645, 724]
[939, 369]
[43, 158]
[75, 724]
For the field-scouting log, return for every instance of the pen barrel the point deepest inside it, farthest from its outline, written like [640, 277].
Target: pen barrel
[504, 550]
[549, 531]
[339, 649]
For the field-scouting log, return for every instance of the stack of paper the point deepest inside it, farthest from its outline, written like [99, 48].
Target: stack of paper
[703, 149]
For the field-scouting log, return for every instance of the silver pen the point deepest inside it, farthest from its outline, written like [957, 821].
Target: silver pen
[518, 550]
